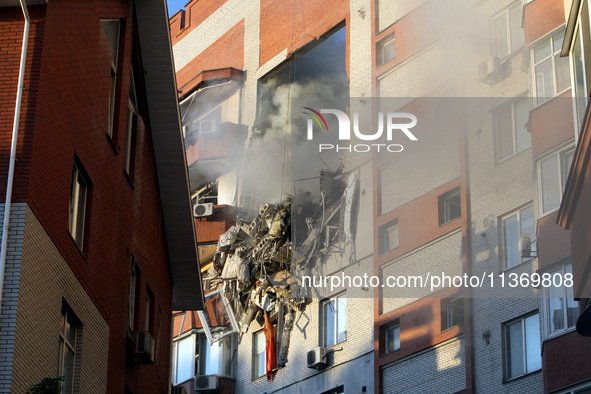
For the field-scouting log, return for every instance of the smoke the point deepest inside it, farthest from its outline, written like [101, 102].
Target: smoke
[268, 170]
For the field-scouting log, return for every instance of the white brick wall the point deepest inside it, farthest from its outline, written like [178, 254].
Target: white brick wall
[10, 292]
[441, 369]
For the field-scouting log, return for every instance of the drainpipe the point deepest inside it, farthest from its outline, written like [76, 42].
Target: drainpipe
[17, 113]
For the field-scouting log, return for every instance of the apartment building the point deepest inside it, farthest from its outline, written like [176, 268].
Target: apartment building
[100, 244]
[491, 87]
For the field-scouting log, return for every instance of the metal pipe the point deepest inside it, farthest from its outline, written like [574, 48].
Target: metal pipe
[17, 113]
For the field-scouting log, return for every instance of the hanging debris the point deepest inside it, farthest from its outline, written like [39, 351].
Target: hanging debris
[257, 265]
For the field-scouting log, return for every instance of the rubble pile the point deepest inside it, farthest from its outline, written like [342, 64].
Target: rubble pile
[256, 263]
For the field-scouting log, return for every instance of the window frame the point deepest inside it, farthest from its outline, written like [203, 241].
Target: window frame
[514, 128]
[381, 45]
[443, 206]
[506, 349]
[131, 129]
[384, 240]
[256, 354]
[175, 361]
[505, 13]
[78, 209]
[503, 235]
[584, 15]
[561, 155]
[562, 270]
[114, 76]
[334, 300]
[446, 315]
[395, 327]
[554, 55]
[69, 319]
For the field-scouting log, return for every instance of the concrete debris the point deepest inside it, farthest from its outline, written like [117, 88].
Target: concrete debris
[257, 265]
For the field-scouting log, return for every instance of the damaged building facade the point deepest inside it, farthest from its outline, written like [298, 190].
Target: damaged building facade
[463, 199]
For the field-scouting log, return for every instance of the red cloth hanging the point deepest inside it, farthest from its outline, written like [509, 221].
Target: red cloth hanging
[270, 347]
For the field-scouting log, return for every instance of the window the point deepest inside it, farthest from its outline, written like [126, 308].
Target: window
[388, 236]
[78, 196]
[386, 50]
[392, 337]
[450, 206]
[584, 388]
[580, 49]
[508, 32]
[67, 349]
[149, 310]
[513, 225]
[510, 125]
[134, 279]
[130, 138]
[214, 359]
[522, 346]
[452, 312]
[111, 29]
[551, 72]
[260, 358]
[337, 390]
[334, 320]
[184, 359]
[192, 355]
[561, 310]
[552, 175]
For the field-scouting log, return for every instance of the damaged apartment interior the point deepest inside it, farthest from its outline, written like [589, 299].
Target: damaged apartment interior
[259, 229]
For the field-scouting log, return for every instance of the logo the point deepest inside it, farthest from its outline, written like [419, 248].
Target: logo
[395, 122]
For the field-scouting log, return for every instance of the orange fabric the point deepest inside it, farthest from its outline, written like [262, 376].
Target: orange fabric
[270, 347]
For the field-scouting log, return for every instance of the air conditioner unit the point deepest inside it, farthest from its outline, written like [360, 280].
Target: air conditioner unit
[203, 210]
[179, 390]
[317, 358]
[144, 347]
[206, 383]
[488, 70]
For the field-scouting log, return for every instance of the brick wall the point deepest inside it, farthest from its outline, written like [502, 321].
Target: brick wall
[10, 292]
[45, 281]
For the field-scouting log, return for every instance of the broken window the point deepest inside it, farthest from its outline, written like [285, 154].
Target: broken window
[218, 318]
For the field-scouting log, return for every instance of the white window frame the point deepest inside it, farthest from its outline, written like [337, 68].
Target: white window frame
[562, 270]
[514, 128]
[554, 54]
[175, 361]
[580, 34]
[393, 327]
[445, 205]
[78, 202]
[390, 39]
[256, 354]
[503, 235]
[65, 344]
[507, 355]
[211, 333]
[505, 13]
[448, 312]
[385, 231]
[562, 174]
[335, 302]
